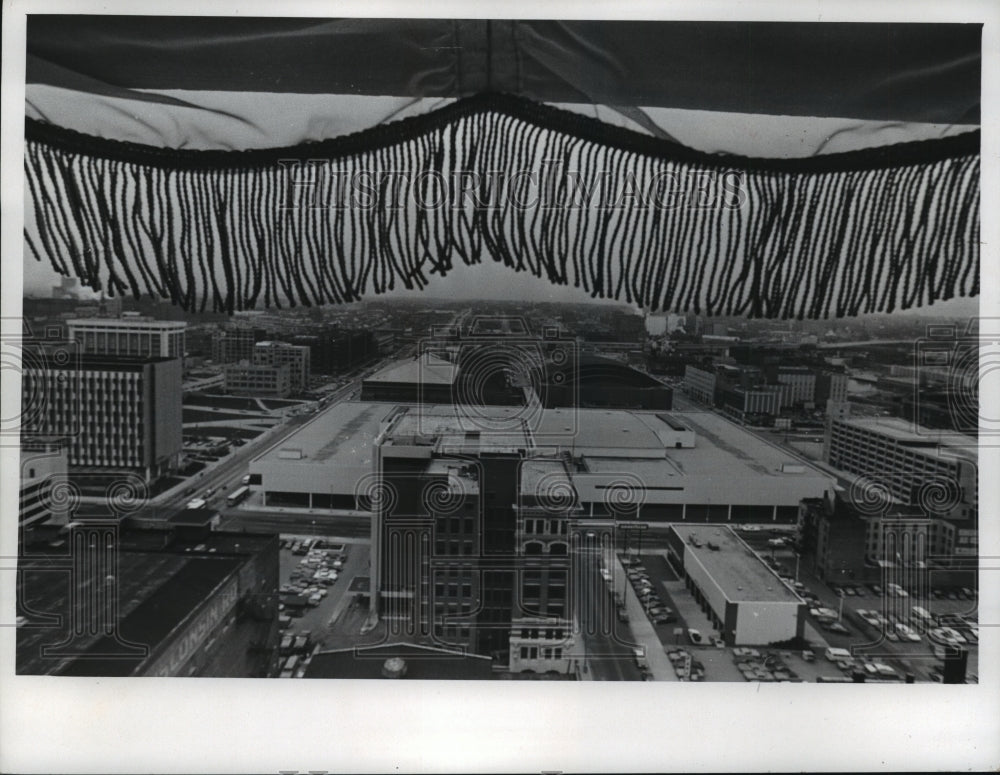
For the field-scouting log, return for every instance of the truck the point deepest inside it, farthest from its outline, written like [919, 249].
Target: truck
[197, 503]
[836, 654]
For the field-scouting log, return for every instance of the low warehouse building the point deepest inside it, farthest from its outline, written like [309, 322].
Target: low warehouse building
[749, 604]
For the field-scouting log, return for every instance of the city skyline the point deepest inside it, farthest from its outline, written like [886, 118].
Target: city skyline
[468, 284]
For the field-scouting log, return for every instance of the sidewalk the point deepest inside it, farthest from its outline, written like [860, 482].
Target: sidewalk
[642, 630]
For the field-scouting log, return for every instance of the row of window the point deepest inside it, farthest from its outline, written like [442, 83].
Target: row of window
[455, 525]
[546, 527]
[531, 652]
[549, 633]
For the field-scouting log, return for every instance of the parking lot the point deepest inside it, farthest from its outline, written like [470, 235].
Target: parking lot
[894, 635]
[883, 650]
[315, 577]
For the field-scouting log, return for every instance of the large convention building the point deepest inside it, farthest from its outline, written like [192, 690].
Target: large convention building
[669, 464]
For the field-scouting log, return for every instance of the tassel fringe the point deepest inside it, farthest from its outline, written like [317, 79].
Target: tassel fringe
[540, 190]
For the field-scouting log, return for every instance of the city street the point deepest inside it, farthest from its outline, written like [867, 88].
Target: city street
[226, 475]
[606, 641]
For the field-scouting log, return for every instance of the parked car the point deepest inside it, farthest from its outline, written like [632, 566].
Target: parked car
[696, 637]
[907, 633]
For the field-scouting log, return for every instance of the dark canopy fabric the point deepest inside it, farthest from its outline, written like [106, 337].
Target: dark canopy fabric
[902, 72]
[154, 165]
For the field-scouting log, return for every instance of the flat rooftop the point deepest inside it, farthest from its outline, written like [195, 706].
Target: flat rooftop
[546, 477]
[603, 429]
[149, 323]
[722, 443]
[470, 429]
[460, 480]
[428, 369]
[82, 361]
[726, 465]
[910, 435]
[735, 567]
[160, 583]
[329, 453]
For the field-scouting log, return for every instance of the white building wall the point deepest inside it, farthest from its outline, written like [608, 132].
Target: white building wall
[709, 587]
[758, 624]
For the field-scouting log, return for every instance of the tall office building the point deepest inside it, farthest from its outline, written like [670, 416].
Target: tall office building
[118, 413]
[44, 466]
[130, 334]
[700, 384]
[463, 551]
[232, 345]
[296, 357]
[800, 383]
[831, 386]
[250, 379]
[919, 485]
[334, 350]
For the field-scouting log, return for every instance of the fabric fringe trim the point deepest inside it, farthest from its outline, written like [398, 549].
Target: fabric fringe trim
[565, 197]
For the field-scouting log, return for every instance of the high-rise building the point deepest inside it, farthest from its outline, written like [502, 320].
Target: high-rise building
[118, 413]
[907, 460]
[469, 549]
[918, 487]
[296, 357]
[752, 405]
[700, 384]
[801, 385]
[44, 467]
[232, 345]
[334, 351]
[250, 379]
[831, 386]
[132, 335]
